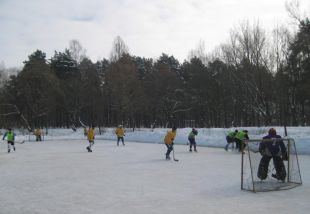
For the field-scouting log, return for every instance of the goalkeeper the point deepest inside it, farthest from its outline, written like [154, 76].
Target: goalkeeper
[273, 147]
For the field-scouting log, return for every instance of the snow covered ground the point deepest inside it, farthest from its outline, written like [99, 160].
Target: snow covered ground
[59, 176]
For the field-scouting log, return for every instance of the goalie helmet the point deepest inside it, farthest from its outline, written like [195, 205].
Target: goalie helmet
[272, 132]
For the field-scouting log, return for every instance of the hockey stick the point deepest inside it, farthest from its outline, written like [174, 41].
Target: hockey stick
[20, 142]
[82, 123]
[173, 155]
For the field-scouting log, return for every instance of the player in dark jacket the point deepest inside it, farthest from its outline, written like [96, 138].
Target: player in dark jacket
[191, 139]
[273, 147]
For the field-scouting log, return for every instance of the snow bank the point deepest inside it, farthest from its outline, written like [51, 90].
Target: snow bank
[209, 137]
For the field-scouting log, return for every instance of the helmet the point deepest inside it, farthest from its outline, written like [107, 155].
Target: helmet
[174, 128]
[272, 132]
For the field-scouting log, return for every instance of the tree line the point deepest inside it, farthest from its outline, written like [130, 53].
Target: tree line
[254, 79]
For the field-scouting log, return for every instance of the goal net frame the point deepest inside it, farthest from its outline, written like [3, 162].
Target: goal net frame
[251, 158]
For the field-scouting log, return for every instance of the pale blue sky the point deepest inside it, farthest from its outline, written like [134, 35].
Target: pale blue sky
[148, 27]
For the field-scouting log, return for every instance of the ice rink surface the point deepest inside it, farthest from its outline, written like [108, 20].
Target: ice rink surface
[61, 177]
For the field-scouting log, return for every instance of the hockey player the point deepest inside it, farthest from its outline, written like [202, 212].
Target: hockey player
[230, 139]
[10, 135]
[90, 138]
[273, 147]
[120, 133]
[191, 139]
[239, 139]
[38, 134]
[169, 138]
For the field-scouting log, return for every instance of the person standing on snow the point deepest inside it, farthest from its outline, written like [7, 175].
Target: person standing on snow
[120, 133]
[169, 138]
[239, 138]
[273, 147]
[10, 135]
[38, 134]
[230, 138]
[90, 138]
[191, 139]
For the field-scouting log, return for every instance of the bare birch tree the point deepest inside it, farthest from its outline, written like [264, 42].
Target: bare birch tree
[119, 48]
[78, 53]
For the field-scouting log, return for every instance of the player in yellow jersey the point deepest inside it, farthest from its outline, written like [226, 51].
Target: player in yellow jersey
[169, 138]
[90, 138]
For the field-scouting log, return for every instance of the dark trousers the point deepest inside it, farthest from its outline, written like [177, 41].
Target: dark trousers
[230, 139]
[239, 144]
[169, 149]
[120, 138]
[91, 143]
[38, 138]
[192, 143]
[11, 143]
[278, 165]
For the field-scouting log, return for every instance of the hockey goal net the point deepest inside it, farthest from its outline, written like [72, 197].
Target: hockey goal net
[251, 178]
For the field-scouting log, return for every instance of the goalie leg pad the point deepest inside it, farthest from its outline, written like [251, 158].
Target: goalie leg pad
[263, 167]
